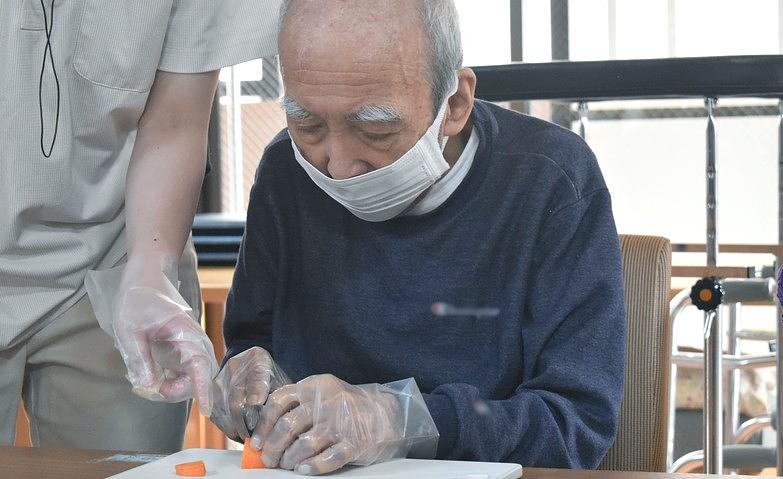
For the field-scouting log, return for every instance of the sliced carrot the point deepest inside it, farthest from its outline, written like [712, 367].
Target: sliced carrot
[251, 459]
[191, 469]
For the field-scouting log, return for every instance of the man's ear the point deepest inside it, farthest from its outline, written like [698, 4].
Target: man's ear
[461, 103]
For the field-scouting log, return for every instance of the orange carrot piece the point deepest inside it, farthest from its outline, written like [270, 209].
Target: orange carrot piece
[251, 459]
[191, 469]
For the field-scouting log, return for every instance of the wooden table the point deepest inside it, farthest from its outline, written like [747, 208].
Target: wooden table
[37, 463]
[33, 462]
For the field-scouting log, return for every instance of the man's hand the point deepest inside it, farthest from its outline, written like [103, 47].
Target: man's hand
[168, 356]
[241, 388]
[323, 423]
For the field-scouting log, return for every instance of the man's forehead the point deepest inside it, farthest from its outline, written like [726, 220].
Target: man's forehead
[351, 86]
[352, 48]
[349, 79]
[379, 73]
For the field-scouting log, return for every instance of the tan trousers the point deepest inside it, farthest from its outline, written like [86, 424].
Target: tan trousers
[73, 384]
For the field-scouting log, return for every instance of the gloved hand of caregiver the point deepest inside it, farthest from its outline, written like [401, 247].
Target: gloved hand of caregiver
[168, 356]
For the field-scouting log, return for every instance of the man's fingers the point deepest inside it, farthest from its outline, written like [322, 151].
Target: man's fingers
[236, 400]
[308, 445]
[243, 386]
[251, 415]
[278, 403]
[223, 422]
[285, 432]
[324, 385]
[258, 379]
[220, 413]
[328, 461]
[243, 407]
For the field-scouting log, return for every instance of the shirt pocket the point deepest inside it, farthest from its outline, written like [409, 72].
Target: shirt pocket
[32, 16]
[119, 42]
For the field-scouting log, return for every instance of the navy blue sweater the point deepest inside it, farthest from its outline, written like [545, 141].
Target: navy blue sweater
[529, 232]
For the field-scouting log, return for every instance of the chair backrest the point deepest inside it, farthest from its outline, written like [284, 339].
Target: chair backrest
[641, 440]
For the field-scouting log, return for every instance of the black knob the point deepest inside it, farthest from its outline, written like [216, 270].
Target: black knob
[707, 293]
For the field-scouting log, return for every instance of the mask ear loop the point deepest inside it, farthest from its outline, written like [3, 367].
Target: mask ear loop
[48, 49]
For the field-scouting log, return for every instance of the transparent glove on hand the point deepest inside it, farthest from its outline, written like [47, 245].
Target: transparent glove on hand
[323, 423]
[241, 388]
[168, 356]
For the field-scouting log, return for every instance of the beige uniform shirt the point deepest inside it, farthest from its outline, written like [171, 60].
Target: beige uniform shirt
[64, 215]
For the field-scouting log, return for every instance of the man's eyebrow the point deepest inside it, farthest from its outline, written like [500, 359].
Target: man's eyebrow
[293, 109]
[375, 114]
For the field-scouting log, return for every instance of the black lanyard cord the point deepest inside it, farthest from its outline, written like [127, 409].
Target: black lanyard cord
[48, 49]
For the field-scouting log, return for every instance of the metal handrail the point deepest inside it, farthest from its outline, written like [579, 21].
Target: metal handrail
[700, 77]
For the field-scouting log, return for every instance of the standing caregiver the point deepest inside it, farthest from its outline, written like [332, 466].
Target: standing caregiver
[104, 108]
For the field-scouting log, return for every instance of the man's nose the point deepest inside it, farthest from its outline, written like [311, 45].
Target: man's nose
[344, 161]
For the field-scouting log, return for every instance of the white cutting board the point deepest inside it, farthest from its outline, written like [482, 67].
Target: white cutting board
[225, 464]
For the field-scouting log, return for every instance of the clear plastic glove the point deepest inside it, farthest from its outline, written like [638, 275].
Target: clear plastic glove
[168, 356]
[241, 388]
[323, 423]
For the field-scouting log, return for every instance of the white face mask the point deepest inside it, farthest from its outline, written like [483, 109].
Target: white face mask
[386, 192]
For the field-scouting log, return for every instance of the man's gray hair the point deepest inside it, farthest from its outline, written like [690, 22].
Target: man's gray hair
[441, 28]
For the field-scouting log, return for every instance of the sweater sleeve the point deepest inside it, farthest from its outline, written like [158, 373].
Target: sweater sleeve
[564, 413]
[250, 303]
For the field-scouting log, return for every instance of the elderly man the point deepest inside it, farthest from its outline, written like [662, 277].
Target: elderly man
[400, 229]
